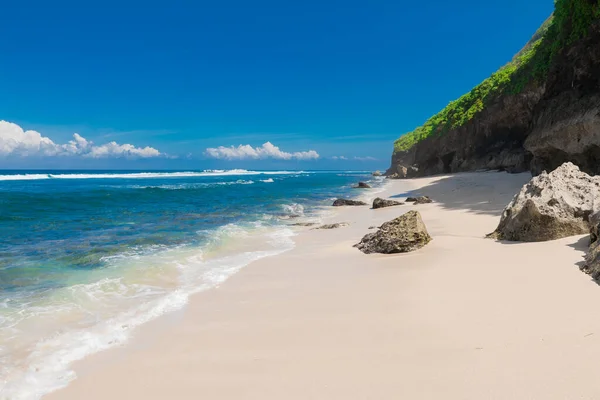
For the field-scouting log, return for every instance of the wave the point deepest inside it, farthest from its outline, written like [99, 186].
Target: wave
[184, 186]
[144, 175]
[48, 367]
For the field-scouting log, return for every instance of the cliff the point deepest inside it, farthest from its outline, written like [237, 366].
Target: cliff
[536, 112]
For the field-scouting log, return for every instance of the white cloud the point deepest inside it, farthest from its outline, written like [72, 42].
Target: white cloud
[267, 150]
[339, 158]
[15, 141]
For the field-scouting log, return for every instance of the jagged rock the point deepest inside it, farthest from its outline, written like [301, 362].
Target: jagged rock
[419, 200]
[402, 171]
[304, 224]
[333, 226]
[592, 258]
[403, 234]
[377, 173]
[347, 202]
[373, 227]
[381, 203]
[393, 176]
[551, 206]
[362, 185]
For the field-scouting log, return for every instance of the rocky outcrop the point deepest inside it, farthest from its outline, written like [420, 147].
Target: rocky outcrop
[362, 185]
[419, 200]
[377, 173]
[548, 121]
[403, 234]
[304, 224]
[551, 206]
[333, 226]
[493, 140]
[348, 202]
[382, 203]
[592, 258]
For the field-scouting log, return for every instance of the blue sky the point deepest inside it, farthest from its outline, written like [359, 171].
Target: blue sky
[341, 78]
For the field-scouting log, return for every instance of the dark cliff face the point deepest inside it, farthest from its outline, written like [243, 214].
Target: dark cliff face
[566, 122]
[493, 140]
[548, 123]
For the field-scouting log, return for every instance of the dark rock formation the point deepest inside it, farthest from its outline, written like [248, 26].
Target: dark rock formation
[347, 202]
[333, 226]
[403, 234]
[550, 206]
[304, 224]
[377, 173]
[419, 200]
[550, 120]
[592, 258]
[381, 203]
[362, 185]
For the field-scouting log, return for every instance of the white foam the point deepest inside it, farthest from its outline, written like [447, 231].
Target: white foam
[143, 175]
[293, 210]
[48, 366]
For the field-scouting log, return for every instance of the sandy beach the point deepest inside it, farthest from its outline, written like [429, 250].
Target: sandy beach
[463, 318]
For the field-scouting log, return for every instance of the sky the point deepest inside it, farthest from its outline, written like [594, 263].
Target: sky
[259, 84]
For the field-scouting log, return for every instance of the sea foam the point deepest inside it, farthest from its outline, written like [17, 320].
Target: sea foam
[143, 175]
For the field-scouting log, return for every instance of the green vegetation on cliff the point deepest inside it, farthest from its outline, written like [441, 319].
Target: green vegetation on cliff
[570, 22]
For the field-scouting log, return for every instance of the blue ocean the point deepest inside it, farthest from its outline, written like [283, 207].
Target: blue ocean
[85, 257]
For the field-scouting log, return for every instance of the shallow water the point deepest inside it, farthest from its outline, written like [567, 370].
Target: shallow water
[85, 257]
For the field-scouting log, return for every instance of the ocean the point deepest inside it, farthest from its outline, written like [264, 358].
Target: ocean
[85, 257]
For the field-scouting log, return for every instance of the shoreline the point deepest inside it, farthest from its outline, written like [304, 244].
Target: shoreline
[464, 317]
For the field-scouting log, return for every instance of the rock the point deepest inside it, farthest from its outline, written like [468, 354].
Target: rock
[423, 200]
[347, 202]
[373, 227]
[393, 176]
[362, 185]
[381, 203]
[551, 206]
[402, 172]
[376, 173]
[303, 224]
[592, 258]
[419, 200]
[333, 226]
[403, 234]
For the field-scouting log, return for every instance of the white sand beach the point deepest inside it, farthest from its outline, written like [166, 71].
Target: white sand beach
[463, 318]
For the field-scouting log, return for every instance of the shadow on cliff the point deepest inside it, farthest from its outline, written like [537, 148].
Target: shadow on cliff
[477, 192]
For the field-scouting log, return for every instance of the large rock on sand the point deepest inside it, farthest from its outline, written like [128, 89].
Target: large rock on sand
[347, 202]
[381, 203]
[362, 185]
[403, 234]
[419, 200]
[551, 206]
[592, 258]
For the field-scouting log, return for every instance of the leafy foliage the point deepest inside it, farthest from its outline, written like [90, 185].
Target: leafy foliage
[570, 22]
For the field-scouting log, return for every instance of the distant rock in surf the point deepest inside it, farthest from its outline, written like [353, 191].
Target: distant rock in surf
[381, 203]
[403, 234]
[347, 202]
[362, 185]
[376, 173]
[551, 206]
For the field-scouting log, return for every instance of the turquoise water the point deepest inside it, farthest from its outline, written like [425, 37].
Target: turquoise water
[85, 257]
